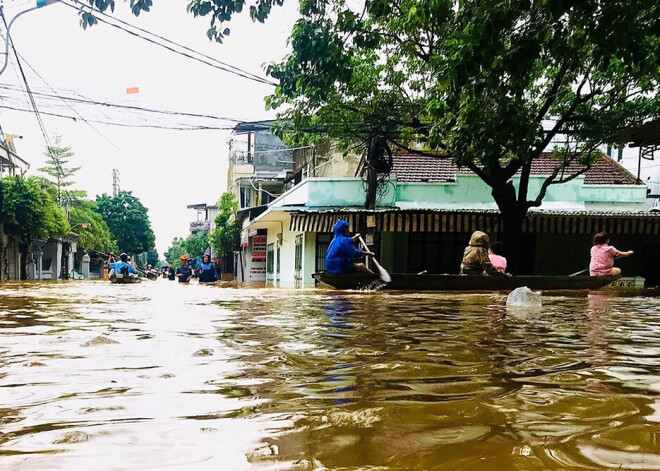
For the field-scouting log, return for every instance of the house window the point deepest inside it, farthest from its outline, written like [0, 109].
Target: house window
[322, 244]
[246, 197]
[266, 197]
[297, 275]
[270, 261]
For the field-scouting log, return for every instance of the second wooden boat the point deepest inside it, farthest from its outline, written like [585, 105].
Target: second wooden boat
[431, 282]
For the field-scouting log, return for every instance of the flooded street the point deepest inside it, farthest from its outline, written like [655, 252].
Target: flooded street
[157, 375]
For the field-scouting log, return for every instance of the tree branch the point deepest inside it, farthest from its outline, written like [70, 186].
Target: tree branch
[552, 94]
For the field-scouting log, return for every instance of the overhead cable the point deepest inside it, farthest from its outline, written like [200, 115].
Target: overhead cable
[128, 107]
[215, 64]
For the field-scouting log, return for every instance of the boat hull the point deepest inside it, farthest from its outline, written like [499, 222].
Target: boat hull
[124, 279]
[431, 282]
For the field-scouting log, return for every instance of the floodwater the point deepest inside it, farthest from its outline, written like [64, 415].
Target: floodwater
[164, 376]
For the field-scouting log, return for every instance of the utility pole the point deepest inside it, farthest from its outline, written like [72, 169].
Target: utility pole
[115, 182]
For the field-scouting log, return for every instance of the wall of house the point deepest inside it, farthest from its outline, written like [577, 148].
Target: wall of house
[52, 251]
[13, 258]
[309, 259]
[266, 157]
[467, 192]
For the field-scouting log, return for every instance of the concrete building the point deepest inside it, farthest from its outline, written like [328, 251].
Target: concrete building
[260, 170]
[204, 217]
[428, 210]
[259, 164]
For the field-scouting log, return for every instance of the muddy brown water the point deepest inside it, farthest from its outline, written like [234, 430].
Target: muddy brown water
[163, 376]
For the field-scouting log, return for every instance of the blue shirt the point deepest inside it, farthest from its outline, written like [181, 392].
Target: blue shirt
[342, 253]
[207, 273]
[117, 266]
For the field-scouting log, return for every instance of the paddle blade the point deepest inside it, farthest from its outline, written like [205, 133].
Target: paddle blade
[384, 275]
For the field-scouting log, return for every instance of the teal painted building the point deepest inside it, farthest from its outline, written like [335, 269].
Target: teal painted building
[428, 209]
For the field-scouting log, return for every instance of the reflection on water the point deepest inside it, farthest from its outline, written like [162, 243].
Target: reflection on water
[156, 375]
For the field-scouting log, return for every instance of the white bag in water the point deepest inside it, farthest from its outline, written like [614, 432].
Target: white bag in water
[524, 297]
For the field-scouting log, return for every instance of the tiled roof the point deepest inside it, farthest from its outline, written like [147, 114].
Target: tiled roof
[421, 168]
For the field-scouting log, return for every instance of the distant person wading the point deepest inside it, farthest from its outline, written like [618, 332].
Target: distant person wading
[184, 273]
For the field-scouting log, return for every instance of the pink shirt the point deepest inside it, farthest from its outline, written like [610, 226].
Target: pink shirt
[602, 259]
[498, 262]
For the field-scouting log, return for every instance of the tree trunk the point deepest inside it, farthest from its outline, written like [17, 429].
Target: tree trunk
[513, 243]
[513, 215]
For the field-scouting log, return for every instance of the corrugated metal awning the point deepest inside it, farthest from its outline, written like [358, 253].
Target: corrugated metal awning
[469, 221]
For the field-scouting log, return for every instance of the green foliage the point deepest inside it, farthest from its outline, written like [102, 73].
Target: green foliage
[196, 244]
[152, 257]
[128, 220]
[94, 233]
[28, 211]
[226, 230]
[57, 159]
[175, 251]
[193, 246]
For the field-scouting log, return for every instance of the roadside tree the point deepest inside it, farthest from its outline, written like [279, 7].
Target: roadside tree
[60, 174]
[95, 235]
[28, 211]
[226, 230]
[128, 220]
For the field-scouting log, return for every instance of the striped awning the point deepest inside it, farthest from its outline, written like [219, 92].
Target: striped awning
[469, 221]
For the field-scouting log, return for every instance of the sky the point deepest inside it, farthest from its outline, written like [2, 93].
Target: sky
[166, 169]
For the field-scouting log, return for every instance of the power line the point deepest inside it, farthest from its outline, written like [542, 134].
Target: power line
[237, 69]
[181, 127]
[128, 107]
[65, 102]
[218, 65]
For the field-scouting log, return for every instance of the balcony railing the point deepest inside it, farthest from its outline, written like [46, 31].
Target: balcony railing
[197, 226]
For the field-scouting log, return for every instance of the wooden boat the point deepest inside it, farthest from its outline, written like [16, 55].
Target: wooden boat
[431, 282]
[121, 279]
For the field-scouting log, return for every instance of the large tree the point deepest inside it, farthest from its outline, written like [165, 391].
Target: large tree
[95, 235]
[128, 220]
[28, 211]
[489, 84]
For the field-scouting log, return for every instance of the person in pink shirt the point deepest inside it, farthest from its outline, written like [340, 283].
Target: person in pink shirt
[603, 255]
[496, 258]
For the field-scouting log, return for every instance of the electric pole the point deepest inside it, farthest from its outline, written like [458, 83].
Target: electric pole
[115, 182]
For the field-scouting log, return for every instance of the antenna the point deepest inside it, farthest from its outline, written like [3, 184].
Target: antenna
[115, 182]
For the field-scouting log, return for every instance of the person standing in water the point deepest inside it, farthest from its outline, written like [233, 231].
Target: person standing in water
[169, 272]
[342, 254]
[603, 255]
[206, 271]
[184, 273]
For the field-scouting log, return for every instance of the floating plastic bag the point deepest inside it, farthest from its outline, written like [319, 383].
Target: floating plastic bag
[524, 297]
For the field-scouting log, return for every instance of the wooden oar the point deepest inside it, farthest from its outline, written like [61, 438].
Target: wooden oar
[577, 273]
[381, 271]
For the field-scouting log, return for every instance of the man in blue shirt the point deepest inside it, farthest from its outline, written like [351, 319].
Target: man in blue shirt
[342, 254]
[184, 273]
[121, 267]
